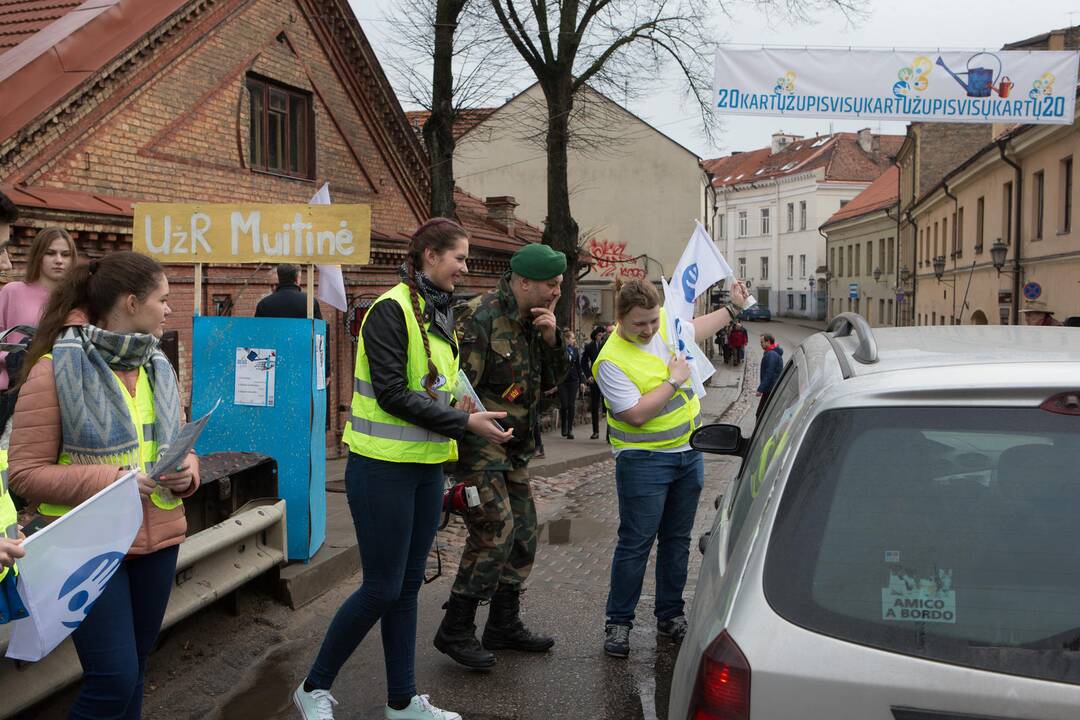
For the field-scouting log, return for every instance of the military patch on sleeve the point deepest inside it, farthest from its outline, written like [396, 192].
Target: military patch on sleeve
[512, 393]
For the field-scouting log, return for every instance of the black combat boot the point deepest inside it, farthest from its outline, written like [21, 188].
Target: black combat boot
[457, 634]
[504, 629]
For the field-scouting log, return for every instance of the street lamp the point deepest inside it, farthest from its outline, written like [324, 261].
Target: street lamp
[998, 251]
[877, 274]
[939, 267]
[905, 274]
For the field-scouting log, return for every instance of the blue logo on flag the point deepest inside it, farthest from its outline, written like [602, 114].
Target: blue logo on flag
[689, 283]
[85, 586]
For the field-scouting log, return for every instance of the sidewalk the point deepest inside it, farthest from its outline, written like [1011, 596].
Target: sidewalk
[339, 557]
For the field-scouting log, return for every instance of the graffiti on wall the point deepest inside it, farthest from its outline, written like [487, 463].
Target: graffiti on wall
[612, 259]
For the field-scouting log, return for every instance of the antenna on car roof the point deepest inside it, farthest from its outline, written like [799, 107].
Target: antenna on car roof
[844, 323]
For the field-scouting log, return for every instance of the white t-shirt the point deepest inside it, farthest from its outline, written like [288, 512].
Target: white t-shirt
[621, 393]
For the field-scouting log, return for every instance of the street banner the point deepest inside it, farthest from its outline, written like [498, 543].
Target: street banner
[331, 282]
[68, 565]
[983, 86]
[253, 233]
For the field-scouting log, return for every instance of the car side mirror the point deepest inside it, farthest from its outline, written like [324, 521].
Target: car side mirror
[719, 439]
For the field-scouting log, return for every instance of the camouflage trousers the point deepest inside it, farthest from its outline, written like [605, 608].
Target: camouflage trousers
[502, 534]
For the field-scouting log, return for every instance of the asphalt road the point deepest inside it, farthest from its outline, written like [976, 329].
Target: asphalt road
[243, 665]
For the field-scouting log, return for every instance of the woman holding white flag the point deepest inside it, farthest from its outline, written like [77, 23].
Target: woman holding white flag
[651, 413]
[99, 399]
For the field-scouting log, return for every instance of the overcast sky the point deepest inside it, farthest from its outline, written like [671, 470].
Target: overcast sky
[951, 24]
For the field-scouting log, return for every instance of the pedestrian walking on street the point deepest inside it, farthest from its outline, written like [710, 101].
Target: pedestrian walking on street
[513, 352]
[651, 415]
[52, 255]
[772, 364]
[588, 357]
[97, 346]
[725, 346]
[401, 430]
[738, 339]
[570, 386]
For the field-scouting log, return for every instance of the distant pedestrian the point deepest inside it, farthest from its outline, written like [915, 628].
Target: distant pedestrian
[725, 347]
[569, 387]
[287, 300]
[588, 357]
[1037, 313]
[738, 339]
[772, 364]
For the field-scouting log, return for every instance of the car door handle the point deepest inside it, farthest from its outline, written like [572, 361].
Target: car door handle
[901, 713]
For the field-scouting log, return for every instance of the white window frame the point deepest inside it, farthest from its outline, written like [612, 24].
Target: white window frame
[802, 266]
[744, 223]
[790, 217]
[766, 227]
[764, 268]
[790, 266]
[802, 214]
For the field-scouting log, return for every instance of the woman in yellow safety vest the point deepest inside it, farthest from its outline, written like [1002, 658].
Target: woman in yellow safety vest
[98, 400]
[401, 430]
[651, 411]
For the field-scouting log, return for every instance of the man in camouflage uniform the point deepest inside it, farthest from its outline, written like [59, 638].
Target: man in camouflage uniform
[512, 351]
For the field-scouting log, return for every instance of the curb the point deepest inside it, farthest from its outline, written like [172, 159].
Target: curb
[556, 468]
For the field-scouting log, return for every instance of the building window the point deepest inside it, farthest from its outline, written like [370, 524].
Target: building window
[869, 257]
[282, 139]
[958, 230]
[1038, 197]
[802, 214]
[891, 256]
[802, 266]
[980, 219]
[881, 254]
[791, 301]
[802, 301]
[850, 267]
[764, 221]
[832, 262]
[1066, 191]
[764, 269]
[742, 267]
[723, 226]
[742, 223]
[931, 258]
[880, 312]
[891, 316]
[858, 261]
[790, 266]
[945, 235]
[790, 217]
[1007, 211]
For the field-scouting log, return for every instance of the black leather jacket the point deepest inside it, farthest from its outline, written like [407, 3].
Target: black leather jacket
[386, 341]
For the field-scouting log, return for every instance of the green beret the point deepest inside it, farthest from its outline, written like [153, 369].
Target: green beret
[537, 261]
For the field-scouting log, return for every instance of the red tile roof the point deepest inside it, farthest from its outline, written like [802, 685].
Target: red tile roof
[882, 193]
[467, 119]
[19, 19]
[472, 212]
[840, 155]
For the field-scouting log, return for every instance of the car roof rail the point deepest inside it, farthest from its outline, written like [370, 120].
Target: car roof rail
[844, 323]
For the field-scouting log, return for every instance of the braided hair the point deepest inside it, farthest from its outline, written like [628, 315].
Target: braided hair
[438, 234]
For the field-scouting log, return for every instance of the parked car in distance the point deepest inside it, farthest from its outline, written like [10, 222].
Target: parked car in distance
[901, 541]
[756, 312]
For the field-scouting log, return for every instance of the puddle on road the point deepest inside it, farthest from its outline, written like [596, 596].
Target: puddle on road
[568, 530]
[265, 692]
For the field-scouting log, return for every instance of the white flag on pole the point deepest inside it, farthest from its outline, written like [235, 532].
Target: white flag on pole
[680, 339]
[69, 563]
[700, 267]
[331, 283]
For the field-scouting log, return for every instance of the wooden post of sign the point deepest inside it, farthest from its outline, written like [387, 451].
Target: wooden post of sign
[310, 292]
[198, 290]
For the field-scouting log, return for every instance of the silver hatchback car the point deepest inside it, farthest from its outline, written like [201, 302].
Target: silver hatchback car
[902, 541]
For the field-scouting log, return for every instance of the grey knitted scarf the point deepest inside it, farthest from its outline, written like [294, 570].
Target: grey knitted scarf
[97, 426]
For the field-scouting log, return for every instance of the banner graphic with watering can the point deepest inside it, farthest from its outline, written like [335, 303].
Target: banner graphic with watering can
[980, 86]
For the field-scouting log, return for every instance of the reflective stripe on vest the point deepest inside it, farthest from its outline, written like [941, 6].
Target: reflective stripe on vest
[8, 515]
[141, 410]
[674, 422]
[375, 433]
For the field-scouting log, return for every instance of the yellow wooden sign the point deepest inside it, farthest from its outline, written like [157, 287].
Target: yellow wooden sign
[253, 233]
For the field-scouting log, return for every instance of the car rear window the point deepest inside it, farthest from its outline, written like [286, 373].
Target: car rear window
[946, 533]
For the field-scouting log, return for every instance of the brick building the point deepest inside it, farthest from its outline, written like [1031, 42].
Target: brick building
[119, 101]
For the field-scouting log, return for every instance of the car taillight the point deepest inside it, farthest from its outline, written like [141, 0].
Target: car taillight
[1067, 403]
[722, 691]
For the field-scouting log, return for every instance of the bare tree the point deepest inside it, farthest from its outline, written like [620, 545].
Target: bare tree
[618, 47]
[446, 58]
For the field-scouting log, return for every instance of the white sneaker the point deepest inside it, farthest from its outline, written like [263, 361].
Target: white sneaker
[420, 709]
[315, 705]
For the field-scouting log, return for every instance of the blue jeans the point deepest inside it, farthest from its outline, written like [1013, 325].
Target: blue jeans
[396, 509]
[115, 639]
[658, 498]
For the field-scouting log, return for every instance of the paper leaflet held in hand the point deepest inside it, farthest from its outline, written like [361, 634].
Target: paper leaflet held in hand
[174, 457]
[465, 389]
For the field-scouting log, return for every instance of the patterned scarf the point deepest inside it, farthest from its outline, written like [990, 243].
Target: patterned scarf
[431, 292]
[96, 423]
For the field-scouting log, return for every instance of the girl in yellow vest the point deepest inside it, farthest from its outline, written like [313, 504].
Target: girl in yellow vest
[651, 413]
[99, 398]
[401, 430]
